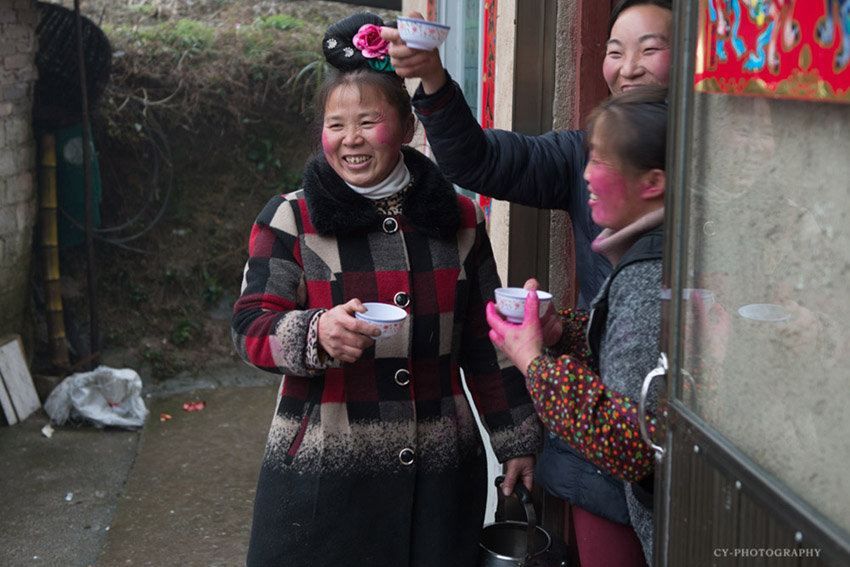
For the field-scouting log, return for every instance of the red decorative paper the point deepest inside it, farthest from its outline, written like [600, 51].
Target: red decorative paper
[779, 48]
[488, 83]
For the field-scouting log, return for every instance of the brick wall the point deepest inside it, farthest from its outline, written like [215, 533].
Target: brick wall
[18, 187]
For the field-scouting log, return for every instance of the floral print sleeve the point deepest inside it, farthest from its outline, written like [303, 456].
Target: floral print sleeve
[600, 423]
[574, 336]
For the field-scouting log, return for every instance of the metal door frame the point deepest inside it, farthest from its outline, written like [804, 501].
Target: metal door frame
[690, 445]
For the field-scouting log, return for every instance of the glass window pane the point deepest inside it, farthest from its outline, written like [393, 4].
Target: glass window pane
[471, 60]
[768, 239]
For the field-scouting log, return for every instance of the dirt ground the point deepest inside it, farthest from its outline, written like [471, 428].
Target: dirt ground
[201, 122]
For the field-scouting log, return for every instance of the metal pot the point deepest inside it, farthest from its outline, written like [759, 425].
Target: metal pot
[517, 544]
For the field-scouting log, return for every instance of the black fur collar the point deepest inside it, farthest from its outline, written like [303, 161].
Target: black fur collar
[334, 208]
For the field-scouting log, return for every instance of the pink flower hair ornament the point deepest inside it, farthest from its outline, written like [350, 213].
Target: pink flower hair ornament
[373, 47]
[355, 42]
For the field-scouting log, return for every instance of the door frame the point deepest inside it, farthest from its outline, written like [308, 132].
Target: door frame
[762, 511]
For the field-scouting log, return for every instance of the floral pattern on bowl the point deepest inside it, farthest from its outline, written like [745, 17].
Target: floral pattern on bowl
[422, 34]
[511, 302]
[386, 317]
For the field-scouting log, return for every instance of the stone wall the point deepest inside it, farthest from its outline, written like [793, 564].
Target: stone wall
[18, 188]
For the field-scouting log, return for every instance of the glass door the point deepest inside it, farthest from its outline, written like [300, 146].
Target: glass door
[757, 327]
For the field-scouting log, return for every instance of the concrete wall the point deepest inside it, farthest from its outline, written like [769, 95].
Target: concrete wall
[18, 195]
[579, 86]
[503, 107]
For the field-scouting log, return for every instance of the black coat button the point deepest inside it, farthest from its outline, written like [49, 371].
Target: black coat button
[390, 225]
[406, 456]
[401, 299]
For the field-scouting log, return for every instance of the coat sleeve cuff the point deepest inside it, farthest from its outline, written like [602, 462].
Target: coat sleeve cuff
[427, 105]
[291, 347]
[526, 438]
[316, 360]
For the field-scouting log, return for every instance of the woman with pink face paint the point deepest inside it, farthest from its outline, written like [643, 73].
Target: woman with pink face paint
[542, 171]
[546, 171]
[586, 385]
[374, 457]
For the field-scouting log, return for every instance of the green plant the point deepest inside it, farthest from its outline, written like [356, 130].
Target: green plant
[281, 22]
[310, 76]
[256, 47]
[263, 155]
[115, 336]
[184, 35]
[182, 331]
[185, 105]
[138, 294]
[191, 33]
[212, 291]
[289, 181]
[144, 9]
[162, 367]
[154, 358]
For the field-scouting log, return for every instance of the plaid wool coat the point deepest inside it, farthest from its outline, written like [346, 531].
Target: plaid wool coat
[377, 462]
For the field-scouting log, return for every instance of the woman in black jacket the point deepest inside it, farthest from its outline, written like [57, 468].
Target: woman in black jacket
[546, 172]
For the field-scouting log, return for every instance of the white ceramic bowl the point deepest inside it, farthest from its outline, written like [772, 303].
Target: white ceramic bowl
[422, 34]
[766, 312]
[511, 302]
[388, 318]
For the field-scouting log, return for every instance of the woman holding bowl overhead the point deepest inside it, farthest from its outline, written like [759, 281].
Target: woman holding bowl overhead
[374, 456]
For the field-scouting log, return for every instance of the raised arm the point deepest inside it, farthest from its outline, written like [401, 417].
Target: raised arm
[540, 171]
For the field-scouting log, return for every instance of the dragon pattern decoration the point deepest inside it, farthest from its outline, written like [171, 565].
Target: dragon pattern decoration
[785, 48]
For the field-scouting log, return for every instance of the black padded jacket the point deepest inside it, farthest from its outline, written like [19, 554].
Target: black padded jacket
[544, 171]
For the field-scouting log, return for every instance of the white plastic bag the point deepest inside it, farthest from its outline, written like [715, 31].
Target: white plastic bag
[105, 397]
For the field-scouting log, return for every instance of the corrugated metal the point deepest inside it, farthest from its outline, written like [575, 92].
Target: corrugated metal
[715, 520]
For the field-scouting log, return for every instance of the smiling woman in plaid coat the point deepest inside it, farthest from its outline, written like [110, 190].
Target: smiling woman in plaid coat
[374, 457]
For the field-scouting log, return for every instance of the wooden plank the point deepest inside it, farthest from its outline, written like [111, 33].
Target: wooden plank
[6, 404]
[17, 380]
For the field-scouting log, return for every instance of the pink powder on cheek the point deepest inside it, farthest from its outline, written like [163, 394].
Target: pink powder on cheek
[325, 143]
[384, 133]
[609, 186]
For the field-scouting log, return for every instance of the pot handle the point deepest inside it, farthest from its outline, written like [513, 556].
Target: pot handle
[519, 489]
[528, 503]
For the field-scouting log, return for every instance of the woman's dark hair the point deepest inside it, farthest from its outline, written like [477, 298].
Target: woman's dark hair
[338, 43]
[350, 68]
[633, 125]
[624, 5]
